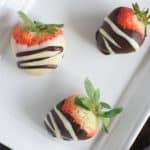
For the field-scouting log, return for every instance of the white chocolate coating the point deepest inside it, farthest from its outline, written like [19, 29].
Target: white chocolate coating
[46, 57]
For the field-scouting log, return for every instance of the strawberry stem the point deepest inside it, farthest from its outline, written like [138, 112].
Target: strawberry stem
[142, 15]
[36, 26]
[91, 103]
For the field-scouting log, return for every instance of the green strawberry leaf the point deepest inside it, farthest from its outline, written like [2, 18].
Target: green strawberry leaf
[105, 124]
[96, 95]
[83, 102]
[37, 26]
[89, 88]
[104, 128]
[105, 105]
[56, 25]
[38, 23]
[30, 28]
[142, 15]
[51, 30]
[112, 113]
[91, 103]
[25, 18]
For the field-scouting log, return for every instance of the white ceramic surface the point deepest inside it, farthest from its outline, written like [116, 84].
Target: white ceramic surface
[8, 9]
[25, 99]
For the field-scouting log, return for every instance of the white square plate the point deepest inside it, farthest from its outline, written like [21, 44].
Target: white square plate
[25, 99]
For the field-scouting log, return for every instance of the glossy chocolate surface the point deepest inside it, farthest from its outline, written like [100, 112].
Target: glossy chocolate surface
[125, 46]
[22, 63]
[80, 133]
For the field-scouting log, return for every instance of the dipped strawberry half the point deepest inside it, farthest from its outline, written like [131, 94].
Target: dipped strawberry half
[80, 117]
[37, 47]
[123, 31]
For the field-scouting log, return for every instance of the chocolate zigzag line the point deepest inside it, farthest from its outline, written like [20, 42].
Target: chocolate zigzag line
[51, 66]
[67, 126]
[64, 127]
[124, 44]
[65, 132]
[28, 53]
[31, 60]
[36, 51]
[132, 42]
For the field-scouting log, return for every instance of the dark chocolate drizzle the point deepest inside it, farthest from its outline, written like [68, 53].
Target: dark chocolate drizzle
[133, 34]
[64, 132]
[31, 60]
[124, 44]
[39, 67]
[36, 51]
[48, 128]
[80, 133]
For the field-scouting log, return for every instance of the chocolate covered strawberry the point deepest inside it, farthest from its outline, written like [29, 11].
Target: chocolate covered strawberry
[37, 47]
[124, 30]
[80, 117]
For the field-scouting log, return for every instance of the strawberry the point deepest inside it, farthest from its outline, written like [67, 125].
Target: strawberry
[86, 119]
[134, 19]
[33, 32]
[123, 30]
[37, 47]
[78, 117]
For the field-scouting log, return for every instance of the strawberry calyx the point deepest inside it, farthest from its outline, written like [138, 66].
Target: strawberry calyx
[36, 26]
[32, 38]
[134, 19]
[91, 102]
[142, 15]
[85, 119]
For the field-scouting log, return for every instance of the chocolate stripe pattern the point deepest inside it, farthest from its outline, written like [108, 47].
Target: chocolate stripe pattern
[112, 38]
[56, 129]
[58, 124]
[109, 42]
[66, 124]
[44, 58]
[108, 46]
[132, 42]
[108, 37]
